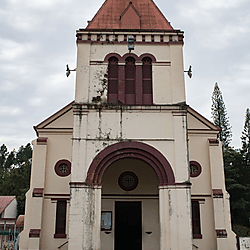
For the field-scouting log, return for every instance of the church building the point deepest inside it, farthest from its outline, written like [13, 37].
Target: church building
[128, 164]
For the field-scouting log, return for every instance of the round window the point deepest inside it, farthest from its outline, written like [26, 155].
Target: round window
[195, 168]
[128, 181]
[63, 168]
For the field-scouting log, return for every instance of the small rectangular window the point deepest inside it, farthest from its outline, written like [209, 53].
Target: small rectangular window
[196, 224]
[61, 219]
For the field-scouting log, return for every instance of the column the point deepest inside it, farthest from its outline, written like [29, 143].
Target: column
[175, 217]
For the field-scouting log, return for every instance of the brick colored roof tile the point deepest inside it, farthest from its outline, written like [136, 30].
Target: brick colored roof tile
[20, 221]
[5, 201]
[124, 14]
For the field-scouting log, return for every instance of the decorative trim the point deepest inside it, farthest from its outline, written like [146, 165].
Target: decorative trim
[60, 236]
[213, 142]
[132, 149]
[173, 31]
[199, 169]
[221, 233]
[42, 140]
[217, 193]
[124, 42]
[60, 199]
[197, 236]
[59, 164]
[83, 185]
[37, 192]
[68, 195]
[199, 200]
[200, 195]
[34, 233]
[123, 58]
[131, 195]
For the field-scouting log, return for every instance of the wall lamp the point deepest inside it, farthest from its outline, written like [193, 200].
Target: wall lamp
[69, 70]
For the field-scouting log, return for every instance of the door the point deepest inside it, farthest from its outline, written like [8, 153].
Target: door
[128, 226]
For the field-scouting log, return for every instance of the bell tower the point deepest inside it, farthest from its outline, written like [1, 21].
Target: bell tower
[130, 120]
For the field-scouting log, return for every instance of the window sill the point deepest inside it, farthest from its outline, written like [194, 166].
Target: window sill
[197, 236]
[60, 236]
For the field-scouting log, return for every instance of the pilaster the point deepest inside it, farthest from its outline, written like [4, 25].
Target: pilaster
[175, 220]
[33, 225]
[218, 189]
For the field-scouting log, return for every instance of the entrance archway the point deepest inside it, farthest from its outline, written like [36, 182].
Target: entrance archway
[137, 150]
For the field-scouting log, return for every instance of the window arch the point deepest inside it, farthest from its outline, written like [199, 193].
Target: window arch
[130, 80]
[113, 80]
[147, 81]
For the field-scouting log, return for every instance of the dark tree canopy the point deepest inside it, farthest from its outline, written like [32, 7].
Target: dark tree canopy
[15, 173]
[245, 139]
[220, 118]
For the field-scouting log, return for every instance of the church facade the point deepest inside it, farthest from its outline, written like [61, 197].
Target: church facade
[128, 164]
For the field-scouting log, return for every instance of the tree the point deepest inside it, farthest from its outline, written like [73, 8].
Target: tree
[237, 185]
[245, 140]
[15, 173]
[220, 118]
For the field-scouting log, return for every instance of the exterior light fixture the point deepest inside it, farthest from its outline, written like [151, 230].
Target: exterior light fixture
[131, 41]
[189, 71]
[68, 70]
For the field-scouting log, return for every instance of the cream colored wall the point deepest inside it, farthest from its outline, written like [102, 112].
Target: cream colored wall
[98, 125]
[58, 147]
[168, 81]
[147, 185]
[211, 177]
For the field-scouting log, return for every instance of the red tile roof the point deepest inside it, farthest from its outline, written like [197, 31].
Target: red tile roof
[124, 14]
[5, 201]
[20, 221]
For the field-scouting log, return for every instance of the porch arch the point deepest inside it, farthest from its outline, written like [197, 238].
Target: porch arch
[130, 149]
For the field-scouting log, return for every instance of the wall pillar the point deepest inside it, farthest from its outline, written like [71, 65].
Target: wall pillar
[30, 237]
[84, 217]
[222, 231]
[175, 217]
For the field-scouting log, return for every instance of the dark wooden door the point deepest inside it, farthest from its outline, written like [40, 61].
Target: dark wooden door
[128, 226]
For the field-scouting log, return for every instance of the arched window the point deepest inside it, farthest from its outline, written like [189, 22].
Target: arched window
[113, 80]
[130, 81]
[147, 81]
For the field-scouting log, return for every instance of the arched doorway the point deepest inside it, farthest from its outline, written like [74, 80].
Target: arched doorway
[130, 174]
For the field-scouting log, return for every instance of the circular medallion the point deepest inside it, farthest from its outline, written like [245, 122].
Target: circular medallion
[128, 181]
[195, 168]
[63, 168]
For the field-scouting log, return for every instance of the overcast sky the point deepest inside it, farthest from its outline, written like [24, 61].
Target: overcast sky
[37, 40]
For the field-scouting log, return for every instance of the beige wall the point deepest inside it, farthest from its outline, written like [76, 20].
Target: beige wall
[168, 77]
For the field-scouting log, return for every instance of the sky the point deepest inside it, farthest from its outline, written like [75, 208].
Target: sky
[37, 40]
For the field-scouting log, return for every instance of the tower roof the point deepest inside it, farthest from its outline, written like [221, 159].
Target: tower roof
[126, 14]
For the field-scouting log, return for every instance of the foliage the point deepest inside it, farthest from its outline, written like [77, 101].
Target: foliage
[237, 185]
[245, 139]
[15, 173]
[220, 118]
[241, 231]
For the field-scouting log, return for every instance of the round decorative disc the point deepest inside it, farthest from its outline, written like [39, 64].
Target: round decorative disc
[63, 168]
[128, 181]
[193, 169]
